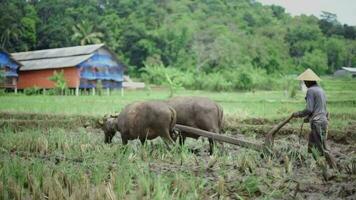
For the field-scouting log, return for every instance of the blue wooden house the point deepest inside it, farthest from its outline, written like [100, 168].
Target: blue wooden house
[9, 71]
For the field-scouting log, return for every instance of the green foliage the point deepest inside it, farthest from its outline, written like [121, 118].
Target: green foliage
[59, 81]
[251, 185]
[316, 60]
[173, 84]
[2, 92]
[32, 91]
[224, 80]
[193, 39]
[99, 87]
[85, 34]
[293, 92]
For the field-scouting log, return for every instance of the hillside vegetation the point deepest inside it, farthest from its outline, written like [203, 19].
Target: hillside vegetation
[205, 44]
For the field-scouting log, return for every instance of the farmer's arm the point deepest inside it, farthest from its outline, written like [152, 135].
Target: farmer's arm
[309, 107]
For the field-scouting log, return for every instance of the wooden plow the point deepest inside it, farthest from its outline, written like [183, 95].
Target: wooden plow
[258, 146]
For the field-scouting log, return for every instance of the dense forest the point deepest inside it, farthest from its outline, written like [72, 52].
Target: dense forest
[213, 44]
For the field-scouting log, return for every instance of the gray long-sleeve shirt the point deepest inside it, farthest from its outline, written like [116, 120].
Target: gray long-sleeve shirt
[316, 105]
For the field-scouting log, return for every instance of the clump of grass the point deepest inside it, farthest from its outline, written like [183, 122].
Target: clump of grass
[251, 186]
[14, 189]
[221, 186]
[350, 166]
[41, 145]
[246, 163]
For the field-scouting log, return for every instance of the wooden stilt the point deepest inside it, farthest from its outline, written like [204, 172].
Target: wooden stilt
[14, 81]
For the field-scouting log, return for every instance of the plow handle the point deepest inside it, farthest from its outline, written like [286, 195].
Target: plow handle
[270, 135]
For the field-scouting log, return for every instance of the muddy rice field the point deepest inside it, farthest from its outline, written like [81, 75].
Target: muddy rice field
[51, 147]
[52, 156]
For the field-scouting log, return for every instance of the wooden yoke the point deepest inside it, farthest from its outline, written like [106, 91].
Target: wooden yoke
[269, 139]
[222, 138]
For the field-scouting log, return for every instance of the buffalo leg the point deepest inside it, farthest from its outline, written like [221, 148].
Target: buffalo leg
[181, 140]
[211, 145]
[109, 136]
[143, 140]
[124, 140]
[211, 141]
[167, 139]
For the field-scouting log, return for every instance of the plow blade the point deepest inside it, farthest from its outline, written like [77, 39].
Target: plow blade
[269, 139]
[221, 138]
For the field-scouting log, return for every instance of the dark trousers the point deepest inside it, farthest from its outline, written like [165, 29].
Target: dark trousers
[318, 136]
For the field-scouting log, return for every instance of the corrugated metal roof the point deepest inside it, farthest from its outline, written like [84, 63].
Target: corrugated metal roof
[52, 63]
[350, 69]
[56, 53]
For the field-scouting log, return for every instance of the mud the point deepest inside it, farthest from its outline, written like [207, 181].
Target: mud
[304, 180]
[261, 126]
[234, 172]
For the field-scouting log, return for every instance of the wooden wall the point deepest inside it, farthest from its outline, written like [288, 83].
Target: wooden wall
[40, 78]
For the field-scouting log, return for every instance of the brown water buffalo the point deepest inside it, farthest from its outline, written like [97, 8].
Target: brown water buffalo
[197, 112]
[142, 120]
[109, 126]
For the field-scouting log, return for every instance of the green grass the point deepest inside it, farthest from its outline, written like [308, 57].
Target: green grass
[57, 163]
[266, 104]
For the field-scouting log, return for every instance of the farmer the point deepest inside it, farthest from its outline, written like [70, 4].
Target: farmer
[315, 113]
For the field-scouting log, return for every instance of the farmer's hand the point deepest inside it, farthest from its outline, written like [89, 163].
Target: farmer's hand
[295, 114]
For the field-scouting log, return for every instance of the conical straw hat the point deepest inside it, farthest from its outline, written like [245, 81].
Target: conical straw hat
[308, 75]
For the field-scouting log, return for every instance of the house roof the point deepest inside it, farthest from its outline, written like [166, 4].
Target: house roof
[55, 58]
[11, 57]
[350, 69]
[53, 63]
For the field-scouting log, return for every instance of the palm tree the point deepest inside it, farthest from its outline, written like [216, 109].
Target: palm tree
[13, 32]
[84, 32]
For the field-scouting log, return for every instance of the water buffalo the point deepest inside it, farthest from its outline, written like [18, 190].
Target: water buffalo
[142, 120]
[197, 112]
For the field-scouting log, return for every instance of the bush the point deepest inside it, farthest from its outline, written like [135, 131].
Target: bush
[2, 92]
[154, 74]
[216, 82]
[32, 91]
[246, 79]
[98, 88]
[60, 81]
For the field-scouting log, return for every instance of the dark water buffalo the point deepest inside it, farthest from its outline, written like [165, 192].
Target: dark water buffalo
[142, 120]
[197, 112]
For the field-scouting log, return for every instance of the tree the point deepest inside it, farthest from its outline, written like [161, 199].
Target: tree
[336, 53]
[329, 17]
[316, 60]
[329, 24]
[85, 34]
[59, 81]
[18, 26]
[278, 11]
